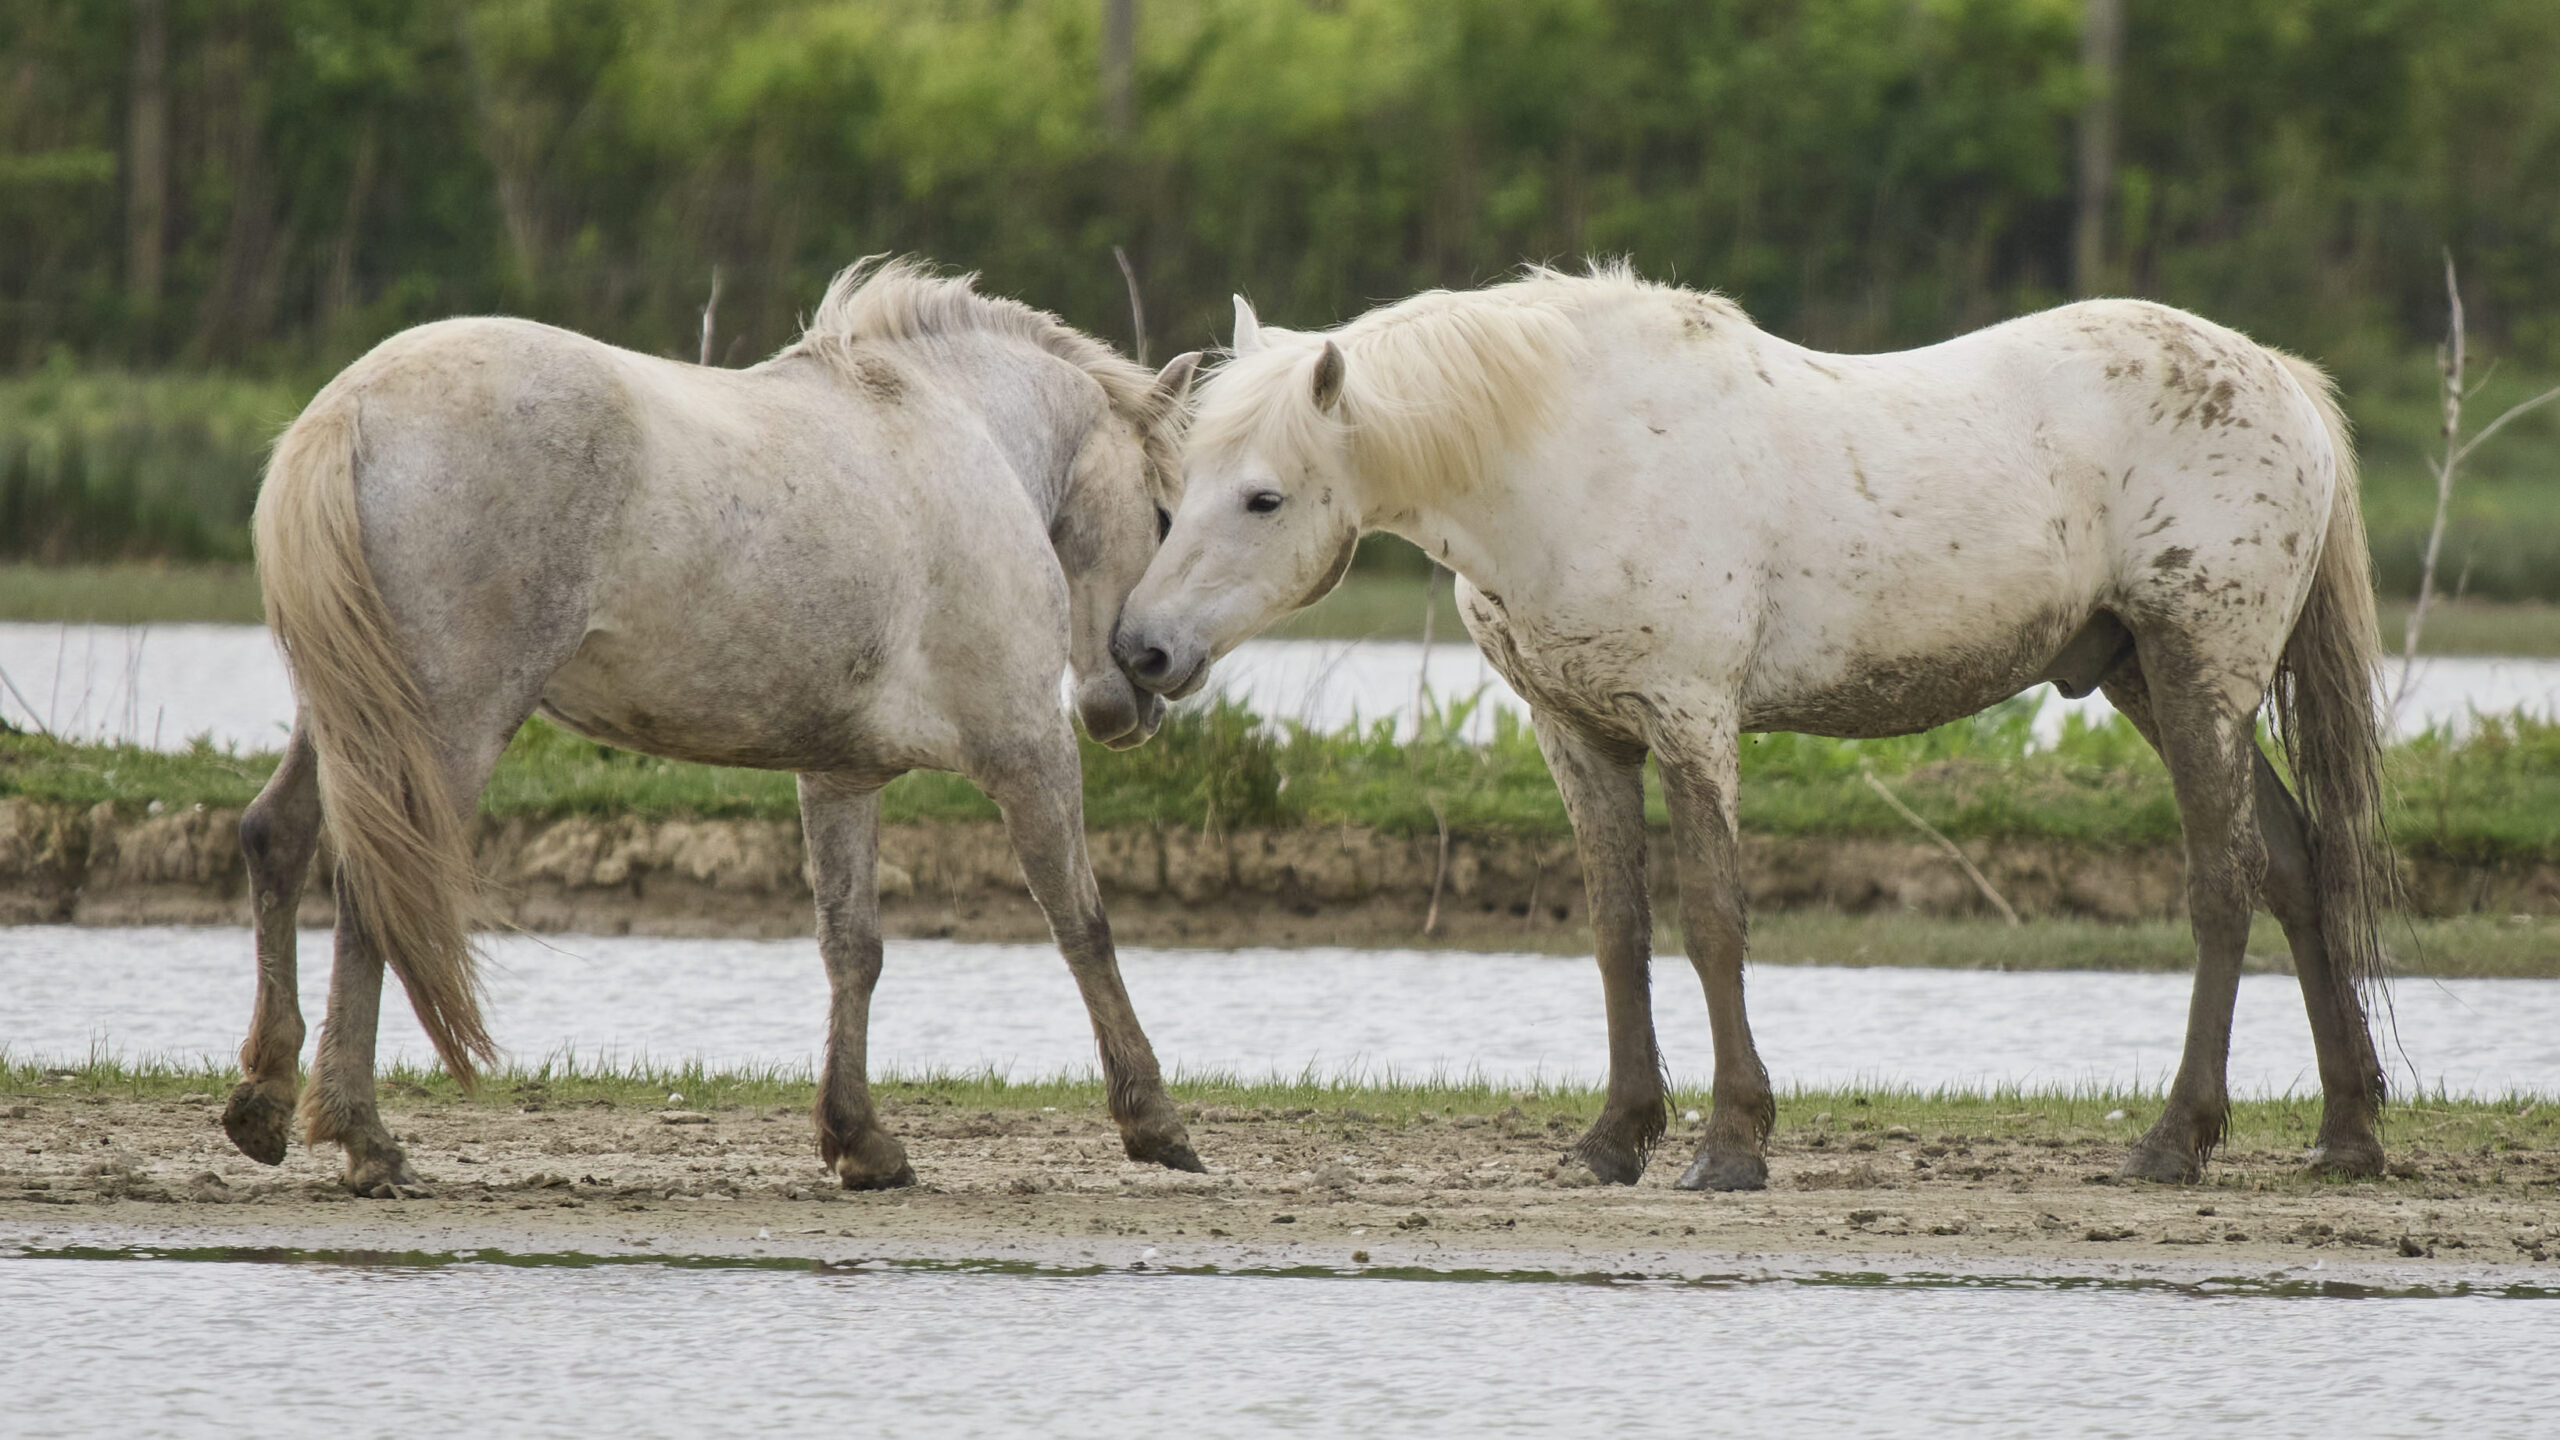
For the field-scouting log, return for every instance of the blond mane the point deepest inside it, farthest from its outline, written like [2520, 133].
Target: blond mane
[1434, 387]
[881, 300]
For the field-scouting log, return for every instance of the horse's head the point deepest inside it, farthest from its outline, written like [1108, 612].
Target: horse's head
[1268, 519]
[1125, 486]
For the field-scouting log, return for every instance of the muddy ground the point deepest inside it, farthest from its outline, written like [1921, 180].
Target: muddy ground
[1285, 1188]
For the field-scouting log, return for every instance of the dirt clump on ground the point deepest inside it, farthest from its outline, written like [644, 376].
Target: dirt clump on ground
[1316, 1187]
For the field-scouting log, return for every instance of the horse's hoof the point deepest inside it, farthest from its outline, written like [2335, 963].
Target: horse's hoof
[874, 1161]
[1173, 1151]
[386, 1179]
[2166, 1164]
[1725, 1170]
[2356, 1159]
[898, 1179]
[1608, 1157]
[259, 1123]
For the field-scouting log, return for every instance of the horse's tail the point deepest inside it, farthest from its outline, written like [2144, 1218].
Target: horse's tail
[404, 854]
[2325, 713]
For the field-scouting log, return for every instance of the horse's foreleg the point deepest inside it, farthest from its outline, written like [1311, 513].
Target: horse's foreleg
[1604, 797]
[1734, 1153]
[842, 824]
[1044, 814]
[276, 838]
[2208, 744]
[340, 1104]
[2351, 1084]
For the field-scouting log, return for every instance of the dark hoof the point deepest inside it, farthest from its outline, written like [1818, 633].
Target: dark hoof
[875, 1161]
[390, 1179]
[259, 1122]
[1612, 1159]
[2166, 1164]
[899, 1179]
[1725, 1170]
[2345, 1160]
[1173, 1151]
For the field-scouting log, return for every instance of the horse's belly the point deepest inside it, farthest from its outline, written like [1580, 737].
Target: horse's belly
[714, 707]
[1882, 689]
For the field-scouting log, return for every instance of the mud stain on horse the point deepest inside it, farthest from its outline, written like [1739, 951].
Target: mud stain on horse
[879, 379]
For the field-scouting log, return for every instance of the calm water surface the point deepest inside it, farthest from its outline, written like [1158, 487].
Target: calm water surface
[165, 1347]
[161, 685]
[944, 1005]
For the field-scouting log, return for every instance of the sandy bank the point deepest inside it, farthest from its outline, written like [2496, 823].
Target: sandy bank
[1286, 1188]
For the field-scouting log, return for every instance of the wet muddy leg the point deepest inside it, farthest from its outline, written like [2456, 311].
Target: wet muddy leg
[277, 836]
[340, 1104]
[842, 823]
[2208, 742]
[1604, 797]
[2351, 1082]
[1044, 815]
[1699, 787]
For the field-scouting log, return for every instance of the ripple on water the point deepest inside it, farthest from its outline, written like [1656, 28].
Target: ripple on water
[167, 1346]
[944, 1005]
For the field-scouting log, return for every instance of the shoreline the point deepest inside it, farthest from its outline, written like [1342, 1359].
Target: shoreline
[1453, 1188]
[1164, 885]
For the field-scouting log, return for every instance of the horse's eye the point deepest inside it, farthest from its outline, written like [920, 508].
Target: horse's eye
[1164, 523]
[1263, 502]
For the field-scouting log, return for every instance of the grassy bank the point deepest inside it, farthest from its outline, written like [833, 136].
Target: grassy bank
[2063, 1116]
[2491, 797]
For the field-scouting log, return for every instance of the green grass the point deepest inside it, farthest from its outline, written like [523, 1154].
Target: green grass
[137, 593]
[2493, 797]
[2519, 1122]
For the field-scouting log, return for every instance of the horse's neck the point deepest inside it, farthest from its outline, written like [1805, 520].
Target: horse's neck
[1478, 534]
[1038, 408]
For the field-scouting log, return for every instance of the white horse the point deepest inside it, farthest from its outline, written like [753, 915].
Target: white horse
[876, 552]
[1672, 528]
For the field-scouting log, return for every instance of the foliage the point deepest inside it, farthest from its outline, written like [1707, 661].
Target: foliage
[2491, 796]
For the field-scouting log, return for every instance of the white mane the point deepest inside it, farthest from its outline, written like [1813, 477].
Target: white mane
[1433, 386]
[883, 300]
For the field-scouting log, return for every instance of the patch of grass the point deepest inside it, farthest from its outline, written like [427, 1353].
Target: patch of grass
[2491, 797]
[140, 593]
[2068, 1114]
[2477, 627]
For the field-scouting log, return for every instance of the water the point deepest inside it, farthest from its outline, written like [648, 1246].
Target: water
[162, 685]
[1513, 1019]
[127, 1347]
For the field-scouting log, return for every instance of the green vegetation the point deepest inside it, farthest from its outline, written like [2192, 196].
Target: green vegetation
[2068, 1115]
[1858, 173]
[2491, 797]
[131, 594]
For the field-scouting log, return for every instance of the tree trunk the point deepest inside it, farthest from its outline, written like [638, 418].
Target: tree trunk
[2101, 69]
[146, 151]
[1119, 67]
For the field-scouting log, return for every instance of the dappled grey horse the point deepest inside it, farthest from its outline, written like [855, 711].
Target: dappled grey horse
[1672, 528]
[876, 552]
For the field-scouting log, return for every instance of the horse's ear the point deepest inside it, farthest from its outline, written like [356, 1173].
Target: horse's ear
[1329, 377]
[1174, 380]
[1248, 328]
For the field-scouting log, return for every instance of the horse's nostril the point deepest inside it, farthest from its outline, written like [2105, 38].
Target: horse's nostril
[1152, 663]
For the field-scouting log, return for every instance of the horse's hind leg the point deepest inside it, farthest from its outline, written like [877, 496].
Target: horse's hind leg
[2351, 1083]
[842, 823]
[2208, 739]
[341, 1104]
[1604, 797]
[1043, 804]
[276, 838]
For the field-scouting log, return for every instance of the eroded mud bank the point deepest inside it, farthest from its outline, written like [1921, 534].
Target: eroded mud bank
[1298, 886]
